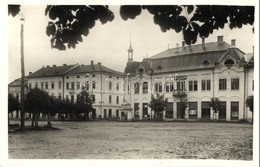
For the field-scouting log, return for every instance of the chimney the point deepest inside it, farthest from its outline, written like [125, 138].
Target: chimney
[220, 39]
[64, 64]
[30, 73]
[54, 65]
[183, 43]
[92, 62]
[233, 42]
[48, 66]
[203, 42]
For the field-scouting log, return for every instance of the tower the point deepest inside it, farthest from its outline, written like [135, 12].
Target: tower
[130, 53]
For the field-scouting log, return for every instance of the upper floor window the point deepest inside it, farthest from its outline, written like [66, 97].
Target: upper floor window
[136, 87]
[205, 84]
[181, 85]
[158, 87]
[93, 84]
[52, 84]
[78, 85]
[67, 85]
[235, 84]
[30, 86]
[87, 85]
[222, 84]
[42, 85]
[117, 86]
[110, 99]
[145, 87]
[193, 85]
[169, 87]
[46, 85]
[72, 85]
[110, 85]
[59, 84]
[117, 99]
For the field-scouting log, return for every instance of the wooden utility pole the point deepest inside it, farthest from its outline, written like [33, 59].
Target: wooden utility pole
[22, 78]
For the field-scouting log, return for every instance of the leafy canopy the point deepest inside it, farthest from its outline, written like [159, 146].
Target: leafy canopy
[158, 103]
[69, 23]
[13, 104]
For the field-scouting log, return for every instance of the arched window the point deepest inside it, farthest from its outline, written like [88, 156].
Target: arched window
[136, 87]
[145, 87]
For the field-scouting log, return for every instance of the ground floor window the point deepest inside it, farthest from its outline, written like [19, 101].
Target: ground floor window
[110, 113]
[105, 113]
[223, 110]
[193, 110]
[234, 110]
[169, 110]
[117, 113]
[136, 110]
[205, 110]
[145, 110]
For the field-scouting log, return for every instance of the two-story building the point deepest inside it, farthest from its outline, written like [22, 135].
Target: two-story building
[196, 72]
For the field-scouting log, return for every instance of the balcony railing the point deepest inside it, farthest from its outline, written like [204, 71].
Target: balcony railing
[179, 93]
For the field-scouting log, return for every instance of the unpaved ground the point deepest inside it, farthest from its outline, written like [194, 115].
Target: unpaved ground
[135, 140]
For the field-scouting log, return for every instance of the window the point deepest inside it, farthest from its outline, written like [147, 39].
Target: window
[181, 85]
[193, 85]
[67, 85]
[222, 110]
[67, 77]
[222, 84]
[42, 85]
[136, 110]
[145, 87]
[78, 85]
[117, 99]
[72, 85]
[193, 110]
[52, 84]
[117, 86]
[67, 97]
[145, 110]
[169, 87]
[93, 84]
[30, 86]
[252, 85]
[205, 84]
[36, 84]
[158, 87]
[234, 110]
[234, 83]
[78, 76]
[93, 97]
[105, 113]
[87, 85]
[205, 110]
[110, 85]
[59, 84]
[46, 85]
[110, 99]
[136, 87]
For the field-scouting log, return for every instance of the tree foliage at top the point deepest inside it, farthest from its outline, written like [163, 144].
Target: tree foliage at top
[69, 23]
[84, 101]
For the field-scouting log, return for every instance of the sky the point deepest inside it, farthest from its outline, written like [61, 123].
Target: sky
[106, 43]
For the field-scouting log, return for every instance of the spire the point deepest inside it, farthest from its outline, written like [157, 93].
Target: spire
[130, 50]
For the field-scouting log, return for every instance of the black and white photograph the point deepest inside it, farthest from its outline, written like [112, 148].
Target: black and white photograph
[132, 84]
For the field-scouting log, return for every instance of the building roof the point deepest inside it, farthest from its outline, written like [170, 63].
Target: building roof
[193, 49]
[15, 83]
[94, 68]
[52, 71]
[187, 58]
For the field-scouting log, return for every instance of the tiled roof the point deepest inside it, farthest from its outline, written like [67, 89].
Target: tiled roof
[16, 82]
[52, 71]
[193, 49]
[94, 68]
[132, 66]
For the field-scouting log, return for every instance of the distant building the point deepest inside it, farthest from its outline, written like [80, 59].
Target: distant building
[202, 71]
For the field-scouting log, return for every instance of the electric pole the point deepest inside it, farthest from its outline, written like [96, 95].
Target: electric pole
[22, 72]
